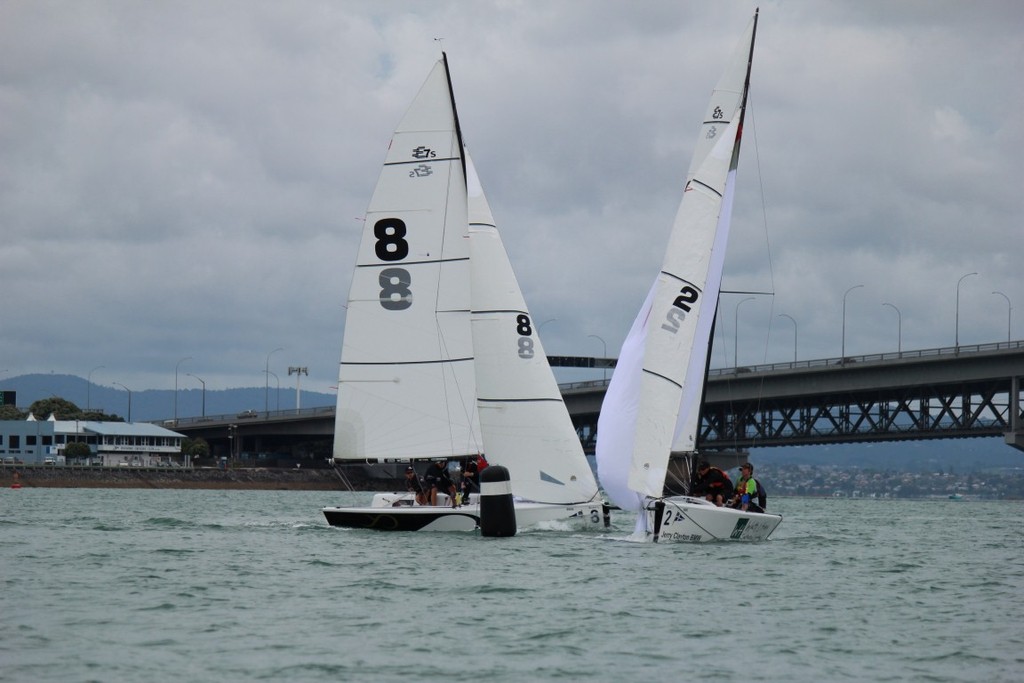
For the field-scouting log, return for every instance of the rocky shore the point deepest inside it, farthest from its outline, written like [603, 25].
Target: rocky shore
[276, 479]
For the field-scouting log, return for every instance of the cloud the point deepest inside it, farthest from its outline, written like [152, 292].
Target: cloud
[188, 179]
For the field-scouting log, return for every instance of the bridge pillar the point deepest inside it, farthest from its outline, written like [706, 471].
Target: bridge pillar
[1015, 437]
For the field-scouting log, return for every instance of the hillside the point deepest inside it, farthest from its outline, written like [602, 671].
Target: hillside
[155, 404]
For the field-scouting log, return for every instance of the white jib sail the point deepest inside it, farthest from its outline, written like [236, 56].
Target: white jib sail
[524, 423]
[406, 384]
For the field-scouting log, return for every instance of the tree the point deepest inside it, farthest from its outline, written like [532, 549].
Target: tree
[11, 413]
[60, 408]
[100, 416]
[77, 449]
[197, 448]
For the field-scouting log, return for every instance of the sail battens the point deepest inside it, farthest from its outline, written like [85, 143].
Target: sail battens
[709, 188]
[538, 399]
[425, 262]
[671, 381]
[434, 160]
[682, 279]
[406, 362]
[499, 311]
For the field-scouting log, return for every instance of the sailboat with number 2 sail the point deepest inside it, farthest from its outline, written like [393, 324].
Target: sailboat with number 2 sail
[652, 406]
[440, 359]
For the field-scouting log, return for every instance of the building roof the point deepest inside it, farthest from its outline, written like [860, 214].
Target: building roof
[114, 428]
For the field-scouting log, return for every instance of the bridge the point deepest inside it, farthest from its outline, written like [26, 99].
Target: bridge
[951, 392]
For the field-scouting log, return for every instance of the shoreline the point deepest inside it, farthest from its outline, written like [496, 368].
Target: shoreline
[272, 479]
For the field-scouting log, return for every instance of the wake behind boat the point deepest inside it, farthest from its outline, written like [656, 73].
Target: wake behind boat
[441, 360]
[652, 406]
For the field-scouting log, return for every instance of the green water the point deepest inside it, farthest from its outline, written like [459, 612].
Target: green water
[159, 585]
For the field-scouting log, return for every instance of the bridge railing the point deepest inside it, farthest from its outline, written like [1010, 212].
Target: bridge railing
[250, 416]
[833, 362]
[873, 358]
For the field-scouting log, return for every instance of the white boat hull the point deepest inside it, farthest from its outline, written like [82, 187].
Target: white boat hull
[397, 512]
[683, 519]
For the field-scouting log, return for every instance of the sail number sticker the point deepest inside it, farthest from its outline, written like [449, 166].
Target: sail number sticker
[395, 283]
[680, 307]
[525, 331]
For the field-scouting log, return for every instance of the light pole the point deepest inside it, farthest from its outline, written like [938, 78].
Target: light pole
[176, 366]
[956, 339]
[204, 391]
[604, 355]
[278, 394]
[299, 372]
[784, 315]
[899, 335]
[736, 332]
[88, 387]
[129, 400]
[842, 356]
[1009, 314]
[266, 388]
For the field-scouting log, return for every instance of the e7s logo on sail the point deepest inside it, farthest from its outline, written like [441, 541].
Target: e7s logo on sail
[683, 304]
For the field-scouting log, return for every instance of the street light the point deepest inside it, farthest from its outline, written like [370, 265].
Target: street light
[278, 394]
[88, 387]
[736, 333]
[956, 339]
[842, 356]
[176, 366]
[298, 372]
[604, 355]
[204, 391]
[1009, 314]
[266, 388]
[899, 336]
[129, 400]
[784, 315]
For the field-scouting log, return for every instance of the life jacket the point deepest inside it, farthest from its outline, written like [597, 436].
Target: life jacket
[762, 496]
[720, 484]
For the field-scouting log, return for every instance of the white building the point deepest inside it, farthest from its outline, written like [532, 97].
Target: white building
[33, 441]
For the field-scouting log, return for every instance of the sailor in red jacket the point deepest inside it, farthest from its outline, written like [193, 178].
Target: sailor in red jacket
[713, 484]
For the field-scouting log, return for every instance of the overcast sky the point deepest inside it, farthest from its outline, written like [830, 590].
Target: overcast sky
[188, 179]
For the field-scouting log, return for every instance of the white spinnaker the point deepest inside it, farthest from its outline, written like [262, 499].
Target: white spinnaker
[523, 420]
[616, 423]
[675, 310]
[406, 384]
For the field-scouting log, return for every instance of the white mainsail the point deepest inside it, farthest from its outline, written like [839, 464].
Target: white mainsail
[406, 383]
[652, 404]
[523, 420]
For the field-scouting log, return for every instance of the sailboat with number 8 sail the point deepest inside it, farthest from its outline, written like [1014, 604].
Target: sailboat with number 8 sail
[652, 406]
[440, 360]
